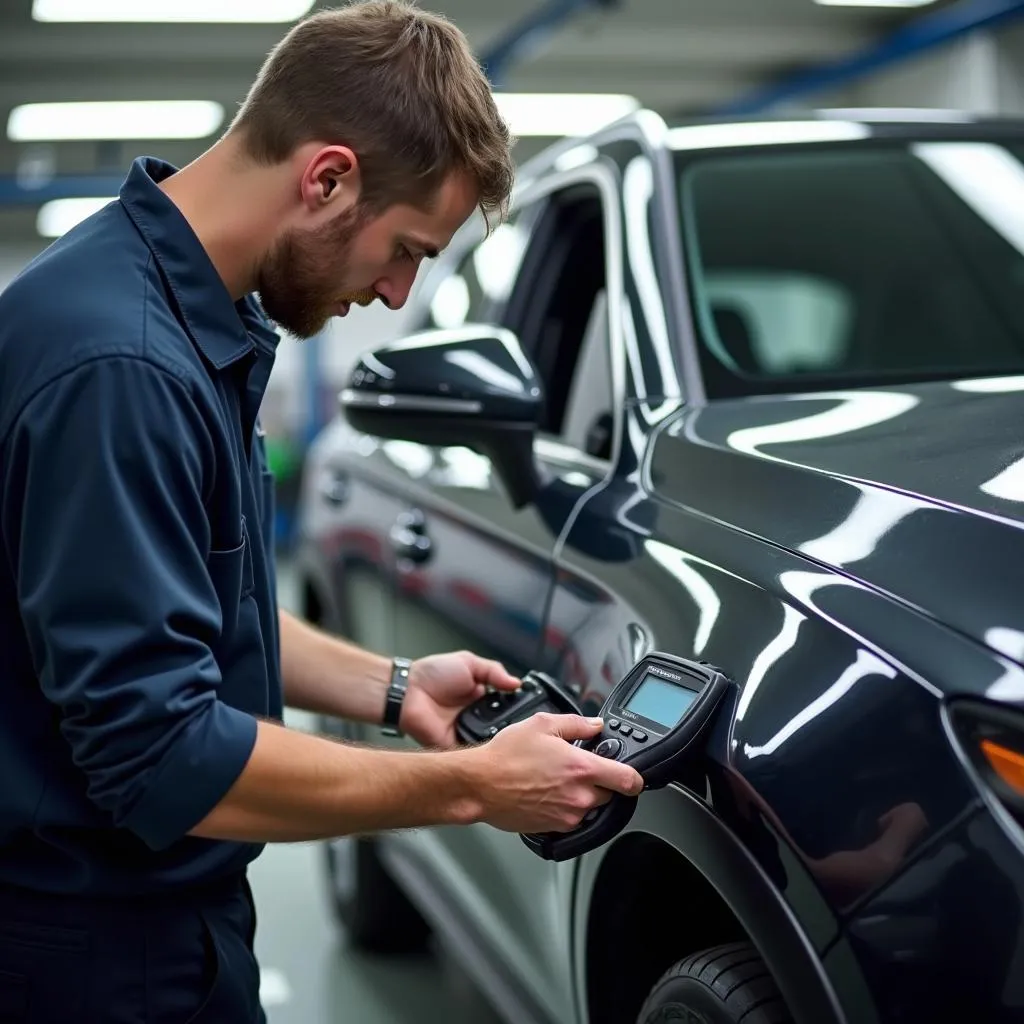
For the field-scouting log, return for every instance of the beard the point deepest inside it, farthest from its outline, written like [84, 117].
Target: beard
[298, 283]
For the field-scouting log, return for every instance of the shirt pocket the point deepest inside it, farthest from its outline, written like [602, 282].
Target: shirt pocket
[231, 573]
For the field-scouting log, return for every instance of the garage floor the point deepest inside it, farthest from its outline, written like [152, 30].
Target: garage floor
[311, 976]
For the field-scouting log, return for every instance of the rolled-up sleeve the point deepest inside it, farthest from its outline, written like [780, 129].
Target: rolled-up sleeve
[104, 520]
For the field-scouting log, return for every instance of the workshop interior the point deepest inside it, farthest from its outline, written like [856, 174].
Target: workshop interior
[718, 436]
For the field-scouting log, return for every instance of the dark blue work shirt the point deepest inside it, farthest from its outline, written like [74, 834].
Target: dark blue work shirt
[138, 616]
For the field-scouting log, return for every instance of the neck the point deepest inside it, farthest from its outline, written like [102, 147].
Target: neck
[231, 206]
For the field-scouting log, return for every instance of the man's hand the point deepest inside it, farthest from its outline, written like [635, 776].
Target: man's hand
[536, 780]
[440, 686]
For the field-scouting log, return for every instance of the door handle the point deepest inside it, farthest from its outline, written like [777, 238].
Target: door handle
[333, 486]
[409, 537]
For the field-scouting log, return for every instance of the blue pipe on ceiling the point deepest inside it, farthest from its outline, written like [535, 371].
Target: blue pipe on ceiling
[926, 32]
[525, 38]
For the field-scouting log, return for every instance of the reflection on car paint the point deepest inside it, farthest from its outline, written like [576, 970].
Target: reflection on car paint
[856, 410]
[846, 556]
[703, 594]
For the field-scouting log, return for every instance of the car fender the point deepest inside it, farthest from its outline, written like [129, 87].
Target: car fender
[688, 824]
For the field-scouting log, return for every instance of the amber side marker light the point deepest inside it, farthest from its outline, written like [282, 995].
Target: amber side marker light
[1007, 764]
[991, 737]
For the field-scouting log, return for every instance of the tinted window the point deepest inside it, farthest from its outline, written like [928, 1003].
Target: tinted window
[860, 266]
[559, 311]
[478, 289]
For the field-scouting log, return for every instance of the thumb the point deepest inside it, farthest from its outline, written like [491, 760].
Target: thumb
[575, 727]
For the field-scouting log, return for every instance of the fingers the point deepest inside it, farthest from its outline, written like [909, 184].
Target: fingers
[493, 673]
[572, 818]
[619, 778]
[602, 771]
[569, 727]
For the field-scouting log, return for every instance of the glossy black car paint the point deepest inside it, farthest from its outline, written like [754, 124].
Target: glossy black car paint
[843, 556]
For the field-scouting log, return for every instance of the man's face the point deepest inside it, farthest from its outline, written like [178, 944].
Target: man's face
[355, 258]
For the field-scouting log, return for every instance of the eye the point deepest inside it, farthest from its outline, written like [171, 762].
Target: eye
[404, 254]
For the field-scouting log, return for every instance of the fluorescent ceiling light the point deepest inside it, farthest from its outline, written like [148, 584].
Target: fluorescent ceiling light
[764, 133]
[898, 114]
[874, 3]
[142, 119]
[536, 113]
[176, 10]
[61, 215]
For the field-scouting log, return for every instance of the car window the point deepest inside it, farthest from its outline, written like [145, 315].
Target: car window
[480, 285]
[869, 265]
[779, 322]
[588, 409]
[559, 311]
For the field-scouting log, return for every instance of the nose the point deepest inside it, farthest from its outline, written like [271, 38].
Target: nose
[395, 288]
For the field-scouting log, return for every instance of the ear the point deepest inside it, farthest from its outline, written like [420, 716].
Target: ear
[330, 180]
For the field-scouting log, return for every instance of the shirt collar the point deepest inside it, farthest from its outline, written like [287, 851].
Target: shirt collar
[222, 329]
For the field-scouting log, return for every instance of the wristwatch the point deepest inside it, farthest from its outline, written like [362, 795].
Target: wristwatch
[396, 695]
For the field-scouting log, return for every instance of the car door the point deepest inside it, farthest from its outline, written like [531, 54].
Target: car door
[345, 561]
[612, 601]
[472, 571]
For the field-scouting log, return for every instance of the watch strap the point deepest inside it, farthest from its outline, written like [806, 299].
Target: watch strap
[397, 688]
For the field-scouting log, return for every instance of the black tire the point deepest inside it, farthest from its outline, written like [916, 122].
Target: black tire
[725, 985]
[376, 915]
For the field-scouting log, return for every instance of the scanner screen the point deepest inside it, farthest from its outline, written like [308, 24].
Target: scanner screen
[660, 701]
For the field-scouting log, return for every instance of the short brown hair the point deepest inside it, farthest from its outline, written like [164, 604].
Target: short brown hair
[398, 85]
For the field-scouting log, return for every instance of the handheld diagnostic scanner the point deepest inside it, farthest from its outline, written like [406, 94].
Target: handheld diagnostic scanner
[654, 721]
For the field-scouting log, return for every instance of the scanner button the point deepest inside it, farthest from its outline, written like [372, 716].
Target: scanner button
[609, 747]
[614, 723]
[640, 737]
[626, 729]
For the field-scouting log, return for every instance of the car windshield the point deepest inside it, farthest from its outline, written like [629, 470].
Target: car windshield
[875, 263]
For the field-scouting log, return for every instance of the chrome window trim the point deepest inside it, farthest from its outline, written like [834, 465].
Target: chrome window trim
[552, 450]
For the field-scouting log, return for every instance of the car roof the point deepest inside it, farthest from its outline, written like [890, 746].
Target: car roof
[811, 126]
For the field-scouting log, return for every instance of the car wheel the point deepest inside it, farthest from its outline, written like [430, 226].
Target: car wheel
[376, 915]
[725, 985]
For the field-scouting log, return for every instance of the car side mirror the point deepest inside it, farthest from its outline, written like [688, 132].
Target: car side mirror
[472, 386]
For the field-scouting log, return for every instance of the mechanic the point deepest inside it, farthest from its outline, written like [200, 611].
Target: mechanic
[142, 756]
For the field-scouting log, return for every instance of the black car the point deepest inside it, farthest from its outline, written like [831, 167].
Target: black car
[748, 393]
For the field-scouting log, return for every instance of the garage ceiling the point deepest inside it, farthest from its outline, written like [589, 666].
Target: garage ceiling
[678, 56]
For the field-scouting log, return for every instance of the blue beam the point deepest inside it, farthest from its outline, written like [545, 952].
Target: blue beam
[68, 186]
[525, 38]
[926, 32]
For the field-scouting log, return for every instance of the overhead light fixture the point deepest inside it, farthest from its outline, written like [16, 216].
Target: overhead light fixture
[236, 11]
[537, 113]
[133, 119]
[899, 114]
[875, 3]
[764, 133]
[61, 215]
